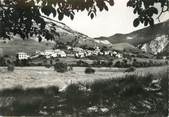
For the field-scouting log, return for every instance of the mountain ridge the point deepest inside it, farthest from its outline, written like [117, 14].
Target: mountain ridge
[118, 41]
[131, 37]
[143, 36]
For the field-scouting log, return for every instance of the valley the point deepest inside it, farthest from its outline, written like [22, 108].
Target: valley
[67, 73]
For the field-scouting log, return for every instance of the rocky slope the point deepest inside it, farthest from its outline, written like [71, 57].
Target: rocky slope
[152, 40]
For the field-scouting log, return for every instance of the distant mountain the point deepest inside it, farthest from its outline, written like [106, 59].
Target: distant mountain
[155, 38]
[67, 36]
[141, 36]
[65, 32]
[151, 36]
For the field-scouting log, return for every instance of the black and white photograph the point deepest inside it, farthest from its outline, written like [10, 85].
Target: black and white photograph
[84, 58]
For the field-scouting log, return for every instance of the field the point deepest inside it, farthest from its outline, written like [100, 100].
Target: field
[18, 45]
[108, 93]
[31, 77]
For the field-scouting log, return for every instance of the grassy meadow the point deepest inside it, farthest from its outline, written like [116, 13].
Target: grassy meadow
[29, 77]
[129, 96]
[110, 92]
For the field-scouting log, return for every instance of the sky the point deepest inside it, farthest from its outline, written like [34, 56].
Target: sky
[119, 19]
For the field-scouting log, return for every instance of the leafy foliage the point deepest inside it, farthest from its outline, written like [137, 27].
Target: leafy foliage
[130, 69]
[89, 70]
[61, 67]
[19, 16]
[145, 9]
[11, 67]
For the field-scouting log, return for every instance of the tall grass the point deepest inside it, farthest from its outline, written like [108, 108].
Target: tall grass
[132, 95]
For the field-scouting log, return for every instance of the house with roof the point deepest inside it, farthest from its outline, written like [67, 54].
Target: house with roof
[80, 55]
[77, 49]
[59, 53]
[22, 56]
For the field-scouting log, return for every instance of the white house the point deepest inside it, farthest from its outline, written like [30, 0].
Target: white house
[119, 55]
[164, 57]
[80, 54]
[37, 52]
[23, 56]
[107, 52]
[48, 52]
[68, 47]
[77, 49]
[89, 53]
[114, 52]
[53, 53]
[61, 54]
[70, 55]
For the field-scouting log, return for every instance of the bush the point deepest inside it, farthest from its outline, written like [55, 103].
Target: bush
[117, 64]
[75, 97]
[51, 91]
[47, 65]
[89, 70]
[61, 67]
[2, 61]
[130, 69]
[82, 63]
[11, 67]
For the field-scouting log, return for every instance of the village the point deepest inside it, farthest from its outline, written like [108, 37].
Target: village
[84, 58]
[75, 52]
[79, 56]
[69, 52]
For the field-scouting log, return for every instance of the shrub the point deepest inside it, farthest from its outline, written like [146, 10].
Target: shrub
[82, 63]
[130, 69]
[2, 61]
[166, 62]
[35, 91]
[117, 64]
[13, 91]
[136, 63]
[96, 63]
[11, 67]
[89, 70]
[51, 91]
[110, 63]
[47, 65]
[74, 96]
[61, 67]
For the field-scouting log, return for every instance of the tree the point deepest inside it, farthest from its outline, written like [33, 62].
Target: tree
[104, 48]
[61, 67]
[145, 9]
[20, 16]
